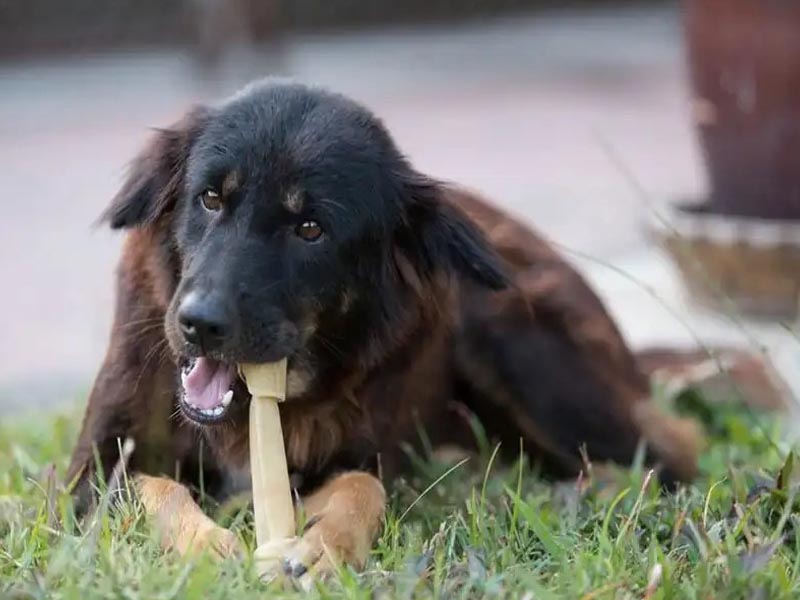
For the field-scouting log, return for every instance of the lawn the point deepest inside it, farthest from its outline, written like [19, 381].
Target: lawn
[481, 529]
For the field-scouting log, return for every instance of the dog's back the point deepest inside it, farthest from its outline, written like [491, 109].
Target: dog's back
[544, 361]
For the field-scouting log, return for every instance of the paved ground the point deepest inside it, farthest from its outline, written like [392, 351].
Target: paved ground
[520, 108]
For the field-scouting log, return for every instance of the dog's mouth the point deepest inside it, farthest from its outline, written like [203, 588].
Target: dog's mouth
[210, 390]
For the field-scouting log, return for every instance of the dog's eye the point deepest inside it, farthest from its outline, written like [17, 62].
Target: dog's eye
[211, 200]
[309, 231]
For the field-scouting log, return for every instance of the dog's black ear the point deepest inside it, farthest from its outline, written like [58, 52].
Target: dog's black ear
[444, 238]
[156, 176]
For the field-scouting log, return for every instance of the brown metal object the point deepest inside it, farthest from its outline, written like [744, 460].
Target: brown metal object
[744, 61]
[740, 248]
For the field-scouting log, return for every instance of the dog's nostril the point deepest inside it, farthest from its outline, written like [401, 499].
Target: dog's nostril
[189, 331]
[203, 322]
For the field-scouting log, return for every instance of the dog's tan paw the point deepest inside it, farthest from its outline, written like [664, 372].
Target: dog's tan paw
[219, 542]
[183, 527]
[327, 544]
[316, 555]
[269, 558]
[346, 515]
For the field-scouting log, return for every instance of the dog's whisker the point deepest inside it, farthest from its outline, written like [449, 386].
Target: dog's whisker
[330, 345]
[147, 321]
[145, 332]
[148, 357]
[330, 206]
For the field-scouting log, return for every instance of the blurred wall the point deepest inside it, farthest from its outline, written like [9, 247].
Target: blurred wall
[47, 26]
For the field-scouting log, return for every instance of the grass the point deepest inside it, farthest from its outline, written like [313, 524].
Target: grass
[483, 530]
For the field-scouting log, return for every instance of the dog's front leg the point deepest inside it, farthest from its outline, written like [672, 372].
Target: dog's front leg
[183, 526]
[343, 518]
[134, 392]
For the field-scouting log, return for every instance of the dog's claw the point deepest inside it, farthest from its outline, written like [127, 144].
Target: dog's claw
[287, 566]
[294, 568]
[272, 558]
[225, 544]
[300, 559]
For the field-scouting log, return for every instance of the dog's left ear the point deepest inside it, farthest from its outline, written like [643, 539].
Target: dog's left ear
[444, 238]
[156, 175]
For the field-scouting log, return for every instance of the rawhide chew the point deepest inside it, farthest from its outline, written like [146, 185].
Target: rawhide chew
[272, 496]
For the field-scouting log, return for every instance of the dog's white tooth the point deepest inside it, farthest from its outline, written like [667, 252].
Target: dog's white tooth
[227, 398]
[183, 378]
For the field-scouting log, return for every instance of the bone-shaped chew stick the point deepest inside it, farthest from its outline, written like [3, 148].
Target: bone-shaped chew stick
[272, 496]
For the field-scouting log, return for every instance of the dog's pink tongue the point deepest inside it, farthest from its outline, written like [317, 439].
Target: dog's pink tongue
[207, 382]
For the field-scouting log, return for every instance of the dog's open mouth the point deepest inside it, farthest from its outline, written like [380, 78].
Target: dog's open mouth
[208, 389]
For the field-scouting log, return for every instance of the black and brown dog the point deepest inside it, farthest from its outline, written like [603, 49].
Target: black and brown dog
[286, 223]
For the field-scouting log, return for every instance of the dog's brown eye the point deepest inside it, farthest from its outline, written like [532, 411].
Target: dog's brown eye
[310, 231]
[211, 200]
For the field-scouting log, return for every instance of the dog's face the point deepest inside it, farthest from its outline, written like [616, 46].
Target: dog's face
[299, 231]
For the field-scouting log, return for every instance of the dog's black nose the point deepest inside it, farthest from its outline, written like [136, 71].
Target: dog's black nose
[204, 322]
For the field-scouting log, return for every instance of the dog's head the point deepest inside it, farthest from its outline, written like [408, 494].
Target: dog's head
[299, 231]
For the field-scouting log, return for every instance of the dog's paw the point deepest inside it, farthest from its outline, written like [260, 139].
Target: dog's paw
[218, 542]
[269, 558]
[325, 545]
[313, 556]
[182, 526]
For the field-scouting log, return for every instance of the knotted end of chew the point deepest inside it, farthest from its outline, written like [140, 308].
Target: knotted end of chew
[265, 380]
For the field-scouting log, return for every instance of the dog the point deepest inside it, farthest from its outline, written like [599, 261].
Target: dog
[286, 223]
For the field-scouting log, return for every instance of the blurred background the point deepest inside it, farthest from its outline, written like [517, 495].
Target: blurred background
[643, 138]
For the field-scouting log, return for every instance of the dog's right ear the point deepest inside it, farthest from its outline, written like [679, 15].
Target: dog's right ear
[440, 237]
[156, 176]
